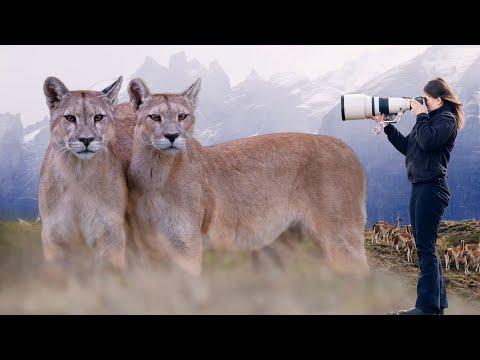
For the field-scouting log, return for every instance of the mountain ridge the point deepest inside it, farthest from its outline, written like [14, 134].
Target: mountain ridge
[284, 102]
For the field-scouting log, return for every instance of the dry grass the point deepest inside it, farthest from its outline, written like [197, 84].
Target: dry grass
[230, 284]
[450, 234]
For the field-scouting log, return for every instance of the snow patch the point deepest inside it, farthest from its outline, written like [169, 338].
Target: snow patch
[450, 62]
[286, 79]
[254, 107]
[32, 135]
[234, 97]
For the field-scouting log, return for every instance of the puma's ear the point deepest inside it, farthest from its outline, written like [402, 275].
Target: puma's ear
[111, 92]
[192, 92]
[138, 92]
[54, 90]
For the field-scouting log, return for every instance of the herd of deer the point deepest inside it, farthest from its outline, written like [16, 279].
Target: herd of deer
[465, 254]
[395, 235]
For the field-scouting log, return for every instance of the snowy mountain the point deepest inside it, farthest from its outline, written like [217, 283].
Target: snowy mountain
[21, 155]
[283, 102]
[388, 187]
[322, 94]
[36, 138]
[12, 162]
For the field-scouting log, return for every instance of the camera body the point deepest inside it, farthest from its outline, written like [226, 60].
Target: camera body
[420, 99]
[360, 106]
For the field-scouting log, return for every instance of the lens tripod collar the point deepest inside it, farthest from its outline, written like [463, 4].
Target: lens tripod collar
[388, 119]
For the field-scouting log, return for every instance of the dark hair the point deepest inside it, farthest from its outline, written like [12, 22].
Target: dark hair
[438, 88]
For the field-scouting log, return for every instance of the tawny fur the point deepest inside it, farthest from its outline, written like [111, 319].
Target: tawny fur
[470, 255]
[410, 246]
[470, 258]
[380, 231]
[395, 230]
[452, 254]
[241, 194]
[469, 247]
[82, 201]
[392, 230]
[404, 238]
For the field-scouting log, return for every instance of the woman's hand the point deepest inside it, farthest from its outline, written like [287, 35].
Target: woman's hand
[418, 108]
[378, 118]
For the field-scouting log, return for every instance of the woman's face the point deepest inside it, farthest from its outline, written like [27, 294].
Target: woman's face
[432, 103]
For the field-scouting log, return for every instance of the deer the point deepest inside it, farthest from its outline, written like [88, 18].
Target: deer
[404, 238]
[469, 247]
[452, 254]
[410, 246]
[380, 228]
[470, 255]
[392, 230]
[409, 229]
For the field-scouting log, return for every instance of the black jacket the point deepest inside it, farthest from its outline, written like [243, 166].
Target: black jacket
[427, 148]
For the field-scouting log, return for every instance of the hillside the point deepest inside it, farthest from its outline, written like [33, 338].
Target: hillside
[231, 283]
[385, 258]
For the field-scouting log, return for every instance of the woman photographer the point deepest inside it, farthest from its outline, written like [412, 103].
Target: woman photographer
[427, 149]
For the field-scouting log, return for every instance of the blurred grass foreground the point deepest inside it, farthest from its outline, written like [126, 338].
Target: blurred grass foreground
[231, 282]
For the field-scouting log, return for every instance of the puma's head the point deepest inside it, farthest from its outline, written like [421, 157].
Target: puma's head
[164, 121]
[81, 121]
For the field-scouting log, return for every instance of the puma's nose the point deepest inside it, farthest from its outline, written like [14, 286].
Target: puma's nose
[172, 136]
[86, 141]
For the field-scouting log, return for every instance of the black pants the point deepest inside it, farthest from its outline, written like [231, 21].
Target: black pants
[427, 205]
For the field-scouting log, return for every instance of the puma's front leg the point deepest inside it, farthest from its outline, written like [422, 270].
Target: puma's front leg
[138, 243]
[56, 251]
[110, 248]
[190, 260]
[185, 252]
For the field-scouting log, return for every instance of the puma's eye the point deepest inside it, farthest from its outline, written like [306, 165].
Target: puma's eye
[155, 117]
[98, 117]
[70, 118]
[182, 117]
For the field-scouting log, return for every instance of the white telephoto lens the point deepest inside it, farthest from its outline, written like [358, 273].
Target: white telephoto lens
[397, 105]
[356, 106]
[360, 106]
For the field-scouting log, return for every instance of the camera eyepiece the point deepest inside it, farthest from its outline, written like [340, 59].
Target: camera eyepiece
[420, 99]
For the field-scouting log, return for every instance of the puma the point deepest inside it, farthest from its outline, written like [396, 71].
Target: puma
[240, 194]
[82, 192]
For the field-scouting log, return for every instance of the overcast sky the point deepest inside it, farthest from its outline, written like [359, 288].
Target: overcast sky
[24, 68]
